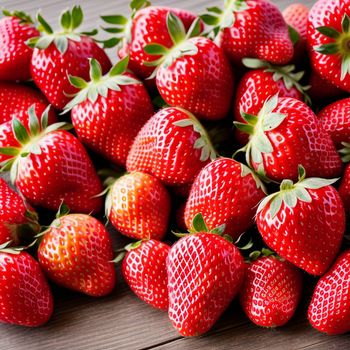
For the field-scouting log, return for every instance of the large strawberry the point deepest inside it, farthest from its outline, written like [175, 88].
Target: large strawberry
[144, 270]
[51, 165]
[58, 54]
[15, 29]
[110, 110]
[76, 253]
[251, 28]
[271, 291]
[25, 296]
[329, 310]
[138, 206]
[329, 39]
[172, 146]
[205, 272]
[304, 223]
[192, 72]
[284, 134]
[225, 192]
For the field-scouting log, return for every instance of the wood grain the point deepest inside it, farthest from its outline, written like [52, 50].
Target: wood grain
[121, 321]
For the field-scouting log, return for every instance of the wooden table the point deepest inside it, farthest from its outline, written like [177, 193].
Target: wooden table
[121, 321]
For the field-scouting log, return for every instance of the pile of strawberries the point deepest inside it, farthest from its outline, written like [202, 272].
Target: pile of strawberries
[264, 202]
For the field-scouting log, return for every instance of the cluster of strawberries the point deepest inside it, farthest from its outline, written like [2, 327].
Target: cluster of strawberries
[164, 113]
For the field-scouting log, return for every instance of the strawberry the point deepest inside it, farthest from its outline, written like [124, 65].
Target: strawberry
[251, 28]
[284, 134]
[144, 270]
[25, 296]
[329, 310]
[138, 206]
[344, 188]
[271, 291]
[109, 111]
[225, 192]
[329, 41]
[335, 119]
[304, 222]
[264, 81]
[192, 72]
[16, 216]
[172, 146]
[59, 54]
[51, 165]
[15, 29]
[205, 272]
[76, 253]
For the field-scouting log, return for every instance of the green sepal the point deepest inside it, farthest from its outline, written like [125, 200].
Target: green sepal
[63, 210]
[345, 152]
[293, 35]
[34, 125]
[10, 151]
[120, 67]
[175, 27]
[119, 258]
[198, 223]
[156, 49]
[20, 132]
[327, 49]
[44, 26]
[115, 19]
[329, 32]
[24, 17]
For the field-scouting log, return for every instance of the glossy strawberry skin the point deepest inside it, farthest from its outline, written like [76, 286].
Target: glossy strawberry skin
[15, 55]
[223, 196]
[140, 206]
[25, 296]
[77, 254]
[69, 175]
[308, 235]
[329, 310]
[110, 125]
[50, 69]
[271, 291]
[259, 32]
[344, 189]
[196, 301]
[144, 270]
[202, 83]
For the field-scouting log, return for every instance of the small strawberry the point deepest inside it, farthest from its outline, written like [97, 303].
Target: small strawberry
[329, 310]
[59, 54]
[304, 222]
[251, 28]
[284, 134]
[15, 29]
[329, 41]
[205, 272]
[192, 72]
[138, 206]
[76, 253]
[144, 270]
[172, 146]
[51, 165]
[25, 296]
[225, 192]
[110, 110]
[271, 290]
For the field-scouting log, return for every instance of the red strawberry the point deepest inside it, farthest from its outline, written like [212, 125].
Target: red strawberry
[192, 72]
[144, 270]
[284, 134]
[329, 41]
[58, 54]
[344, 188]
[205, 272]
[15, 29]
[16, 217]
[304, 223]
[172, 146]
[76, 253]
[225, 192]
[329, 310]
[271, 291]
[264, 81]
[138, 206]
[51, 165]
[25, 296]
[110, 110]
[251, 28]
[335, 119]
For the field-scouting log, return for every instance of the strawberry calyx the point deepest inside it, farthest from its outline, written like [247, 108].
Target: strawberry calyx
[122, 252]
[7, 248]
[22, 16]
[339, 46]
[290, 193]
[245, 170]
[99, 85]
[345, 152]
[264, 252]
